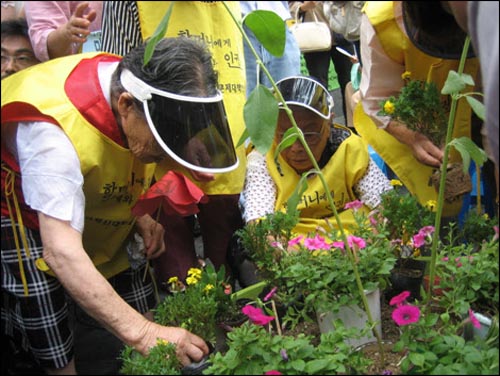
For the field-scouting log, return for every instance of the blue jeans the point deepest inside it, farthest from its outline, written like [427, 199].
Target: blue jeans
[278, 67]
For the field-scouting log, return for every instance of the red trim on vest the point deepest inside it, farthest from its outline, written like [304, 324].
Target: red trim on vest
[84, 90]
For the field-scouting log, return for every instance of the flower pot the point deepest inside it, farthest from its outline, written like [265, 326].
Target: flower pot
[353, 316]
[489, 327]
[407, 275]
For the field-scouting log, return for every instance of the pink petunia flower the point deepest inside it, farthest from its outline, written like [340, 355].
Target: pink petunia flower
[426, 230]
[272, 372]
[399, 299]
[338, 245]
[354, 240]
[295, 241]
[354, 205]
[256, 315]
[405, 315]
[418, 240]
[473, 319]
[317, 242]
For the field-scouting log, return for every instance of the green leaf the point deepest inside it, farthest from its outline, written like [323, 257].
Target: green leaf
[476, 106]
[261, 116]
[289, 138]
[467, 79]
[243, 138]
[417, 359]
[454, 83]
[468, 149]
[269, 29]
[293, 201]
[159, 33]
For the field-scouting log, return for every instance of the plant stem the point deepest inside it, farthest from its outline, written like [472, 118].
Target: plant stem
[442, 182]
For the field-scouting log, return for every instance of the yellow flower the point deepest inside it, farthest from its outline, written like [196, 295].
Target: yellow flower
[396, 182]
[192, 280]
[161, 341]
[208, 287]
[406, 75]
[431, 204]
[416, 252]
[389, 107]
[194, 272]
[172, 280]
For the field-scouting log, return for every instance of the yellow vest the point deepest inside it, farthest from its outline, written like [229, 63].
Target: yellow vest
[414, 175]
[210, 22]
[344, 169]
[113, 178]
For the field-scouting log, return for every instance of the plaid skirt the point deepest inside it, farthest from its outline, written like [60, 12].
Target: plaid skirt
[41, 323]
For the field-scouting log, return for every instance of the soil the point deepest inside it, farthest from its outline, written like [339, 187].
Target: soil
[390, 335]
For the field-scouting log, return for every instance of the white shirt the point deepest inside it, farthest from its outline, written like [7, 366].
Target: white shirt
[52, 181]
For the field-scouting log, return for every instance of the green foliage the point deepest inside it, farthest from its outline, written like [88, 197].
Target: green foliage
[200, 306]
[403, 214]
[253, 350]
[468, 277]
[160, 361]
[321, 275]
[477, 227]
[419, 106]
[435, 347]
[255, 239]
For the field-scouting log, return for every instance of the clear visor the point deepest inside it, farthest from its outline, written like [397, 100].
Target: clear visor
[192, 130]
[308, 93]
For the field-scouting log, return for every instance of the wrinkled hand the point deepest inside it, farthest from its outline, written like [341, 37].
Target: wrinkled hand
[425, 151]
[189, 347]
[152, 233]
[422, 148]
[78, 27]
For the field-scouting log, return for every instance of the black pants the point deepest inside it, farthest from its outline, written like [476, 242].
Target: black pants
[318, 65]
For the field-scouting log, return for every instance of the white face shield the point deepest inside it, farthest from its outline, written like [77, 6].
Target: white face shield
[192, 130]
[305, 92]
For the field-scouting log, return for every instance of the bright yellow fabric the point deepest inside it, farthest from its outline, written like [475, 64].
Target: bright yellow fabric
[414, 175]
[113, 178]
[210, 22]
[345, 168]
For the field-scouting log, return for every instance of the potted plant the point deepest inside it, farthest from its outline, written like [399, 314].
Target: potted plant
[205, 306]
[435, 342]
[419, 106]
[314, 274]
[254, 349]
[408, 225]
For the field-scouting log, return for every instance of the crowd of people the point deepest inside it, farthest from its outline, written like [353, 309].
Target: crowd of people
[88, 127]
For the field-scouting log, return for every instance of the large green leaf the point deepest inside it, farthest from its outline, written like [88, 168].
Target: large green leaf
[455, 82]
[469, 150]
[261, 116]
[269, 29]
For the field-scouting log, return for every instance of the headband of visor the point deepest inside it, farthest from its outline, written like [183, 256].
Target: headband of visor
[192, 130]
[308, 93]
